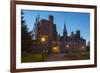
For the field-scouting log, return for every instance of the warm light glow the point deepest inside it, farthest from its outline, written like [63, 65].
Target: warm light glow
[56, 49]
[67, 46]
[43, 39]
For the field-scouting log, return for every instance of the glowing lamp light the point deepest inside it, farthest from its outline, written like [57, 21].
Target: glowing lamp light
[56, 49]
[43, 39]
[67, 45]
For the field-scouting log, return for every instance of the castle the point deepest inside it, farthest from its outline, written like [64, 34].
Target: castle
[53, 41]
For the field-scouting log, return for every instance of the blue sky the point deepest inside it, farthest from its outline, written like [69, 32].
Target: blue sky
[74, 21]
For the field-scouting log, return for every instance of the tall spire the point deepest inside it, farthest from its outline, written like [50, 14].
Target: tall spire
[34, 31]
[64, 30]
[37, 18]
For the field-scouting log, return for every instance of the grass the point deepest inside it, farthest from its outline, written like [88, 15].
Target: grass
[35, 57]
[84, 55]
[78, 56]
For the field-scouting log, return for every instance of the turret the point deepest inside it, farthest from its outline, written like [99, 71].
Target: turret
[65, 30]
[78, 34]
[51, 19]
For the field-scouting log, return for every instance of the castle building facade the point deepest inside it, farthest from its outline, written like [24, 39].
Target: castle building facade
[53, 41]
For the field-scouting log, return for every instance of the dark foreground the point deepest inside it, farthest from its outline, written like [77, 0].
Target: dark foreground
[40, 57]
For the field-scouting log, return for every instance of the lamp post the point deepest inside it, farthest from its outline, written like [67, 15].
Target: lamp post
[43, 41]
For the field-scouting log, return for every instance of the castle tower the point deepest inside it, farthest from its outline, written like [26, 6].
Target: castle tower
[72, 34]
[51, 19]
[78, 34]
[51, 23]
[64, 30]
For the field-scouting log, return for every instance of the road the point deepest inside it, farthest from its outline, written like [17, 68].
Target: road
[56, 57]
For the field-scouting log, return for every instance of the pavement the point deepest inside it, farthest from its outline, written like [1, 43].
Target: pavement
[56, 57]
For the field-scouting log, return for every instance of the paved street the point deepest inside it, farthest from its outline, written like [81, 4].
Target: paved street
[56, 57]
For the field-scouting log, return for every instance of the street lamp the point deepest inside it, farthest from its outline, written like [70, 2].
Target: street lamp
[43, 40]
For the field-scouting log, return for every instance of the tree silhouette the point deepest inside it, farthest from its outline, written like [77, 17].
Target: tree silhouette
[26, 38]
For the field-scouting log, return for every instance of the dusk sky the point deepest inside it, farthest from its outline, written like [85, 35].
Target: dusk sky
[74, 21]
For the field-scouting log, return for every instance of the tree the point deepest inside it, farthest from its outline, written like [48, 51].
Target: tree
[26, 38]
